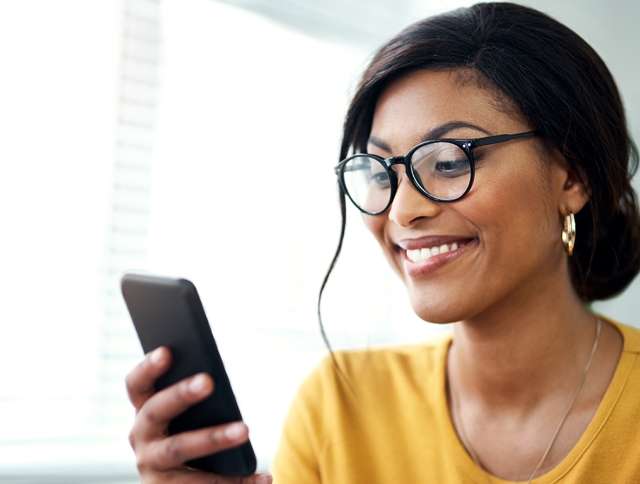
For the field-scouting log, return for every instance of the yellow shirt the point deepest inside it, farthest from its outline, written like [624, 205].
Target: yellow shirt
[394, 426]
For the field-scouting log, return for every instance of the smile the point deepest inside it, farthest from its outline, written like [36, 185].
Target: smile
[422, 261]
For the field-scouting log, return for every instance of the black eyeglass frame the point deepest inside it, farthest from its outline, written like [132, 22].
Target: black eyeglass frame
[467, 145]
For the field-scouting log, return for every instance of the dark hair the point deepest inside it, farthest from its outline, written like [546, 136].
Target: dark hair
[560, 85]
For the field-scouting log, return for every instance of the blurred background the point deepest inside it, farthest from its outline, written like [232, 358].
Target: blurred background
[194, 139]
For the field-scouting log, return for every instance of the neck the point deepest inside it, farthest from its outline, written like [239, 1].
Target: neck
[530, 348]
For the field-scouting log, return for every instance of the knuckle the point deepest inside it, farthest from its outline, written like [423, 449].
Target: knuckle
[173, 451]
[183, 395]
[128, 381]
[150, 416]
[218, 437]
[142, 462]
[132, 439]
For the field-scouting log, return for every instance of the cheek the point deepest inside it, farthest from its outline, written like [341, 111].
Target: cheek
[375, 225]
[515, 217]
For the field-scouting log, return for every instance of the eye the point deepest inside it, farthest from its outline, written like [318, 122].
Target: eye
[451, 168]
[380, 179]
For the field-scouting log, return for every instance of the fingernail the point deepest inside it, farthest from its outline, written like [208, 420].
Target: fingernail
[197, 384]
[234, 431]
[156, 356]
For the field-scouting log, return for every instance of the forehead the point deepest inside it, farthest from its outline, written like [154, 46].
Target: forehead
[424, 99]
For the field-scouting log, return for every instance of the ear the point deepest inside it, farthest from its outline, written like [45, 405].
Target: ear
[570, 188]
[575, 192]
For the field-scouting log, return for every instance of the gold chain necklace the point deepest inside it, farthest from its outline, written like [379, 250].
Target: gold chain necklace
[467, 442]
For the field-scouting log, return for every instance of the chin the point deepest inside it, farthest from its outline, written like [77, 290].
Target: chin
[440, 309]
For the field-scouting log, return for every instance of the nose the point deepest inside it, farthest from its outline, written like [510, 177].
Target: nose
[409, 205]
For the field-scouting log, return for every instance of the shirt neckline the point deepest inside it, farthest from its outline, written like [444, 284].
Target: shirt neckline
[611, 396]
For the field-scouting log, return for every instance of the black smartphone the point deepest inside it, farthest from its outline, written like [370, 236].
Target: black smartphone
[168, 312]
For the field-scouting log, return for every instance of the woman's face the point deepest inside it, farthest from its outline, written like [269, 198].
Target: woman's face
[503, 238]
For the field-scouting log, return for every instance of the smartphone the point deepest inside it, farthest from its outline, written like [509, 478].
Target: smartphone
[168, 312]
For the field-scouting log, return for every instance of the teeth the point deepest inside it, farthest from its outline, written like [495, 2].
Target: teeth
[420, 255]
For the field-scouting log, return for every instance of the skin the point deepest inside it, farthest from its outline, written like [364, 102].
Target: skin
[524, 336]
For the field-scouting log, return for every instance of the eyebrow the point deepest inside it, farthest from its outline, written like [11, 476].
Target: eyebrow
[433, 133]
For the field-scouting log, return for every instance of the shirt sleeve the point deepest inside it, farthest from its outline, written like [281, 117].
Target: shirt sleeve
[297, 460]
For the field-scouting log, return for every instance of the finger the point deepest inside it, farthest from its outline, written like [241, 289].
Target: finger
[255, 479]
[140, 380]
[197, 477]
[162, 406]
[173, 451]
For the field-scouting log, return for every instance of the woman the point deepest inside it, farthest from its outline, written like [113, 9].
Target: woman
[488, 151]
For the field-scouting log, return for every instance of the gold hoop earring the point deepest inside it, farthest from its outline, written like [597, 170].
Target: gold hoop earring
[569, 233]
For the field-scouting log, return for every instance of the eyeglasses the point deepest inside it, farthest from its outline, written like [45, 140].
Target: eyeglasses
[440, 169]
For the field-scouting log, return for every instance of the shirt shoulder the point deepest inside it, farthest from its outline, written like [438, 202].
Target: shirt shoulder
[332, 411]
[344, 380]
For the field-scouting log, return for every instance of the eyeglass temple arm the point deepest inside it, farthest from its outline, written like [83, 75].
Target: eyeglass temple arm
[490, 140]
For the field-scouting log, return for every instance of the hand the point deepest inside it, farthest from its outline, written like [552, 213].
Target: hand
[160, 458]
